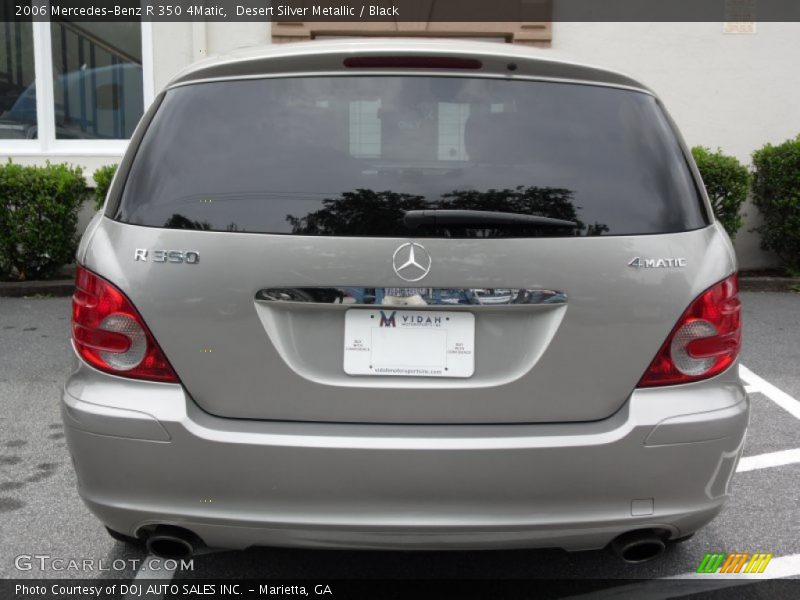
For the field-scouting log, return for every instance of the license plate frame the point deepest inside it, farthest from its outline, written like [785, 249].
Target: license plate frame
[409, 343]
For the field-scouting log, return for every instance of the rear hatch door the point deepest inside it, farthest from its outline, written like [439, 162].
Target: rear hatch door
[251, 236]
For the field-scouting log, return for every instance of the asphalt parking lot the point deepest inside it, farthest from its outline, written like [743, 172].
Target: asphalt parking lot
[41, 514]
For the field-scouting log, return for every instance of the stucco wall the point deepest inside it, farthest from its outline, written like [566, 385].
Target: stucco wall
[736, 92]
[176, 45]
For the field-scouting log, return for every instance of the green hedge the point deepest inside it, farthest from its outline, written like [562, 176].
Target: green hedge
[776, 194]
[39, 206]
[727, 182]
[38, 218]
[102, 179]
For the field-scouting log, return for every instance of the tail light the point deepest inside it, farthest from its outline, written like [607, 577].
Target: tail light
[110, 335]
[705, 341]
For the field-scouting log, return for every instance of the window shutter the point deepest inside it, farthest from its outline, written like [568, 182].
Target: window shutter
[533, 26]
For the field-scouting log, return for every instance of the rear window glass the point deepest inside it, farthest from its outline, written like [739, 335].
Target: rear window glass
[350, 155]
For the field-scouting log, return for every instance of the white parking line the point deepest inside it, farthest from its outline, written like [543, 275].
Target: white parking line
[770, 459]
[144, 572]
[779, 397]
[677, 586]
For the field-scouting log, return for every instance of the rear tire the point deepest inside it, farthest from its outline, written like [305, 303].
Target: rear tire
[125, 539]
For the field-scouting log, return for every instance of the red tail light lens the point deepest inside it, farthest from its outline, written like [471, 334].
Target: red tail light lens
[705, 341]
[110, 334]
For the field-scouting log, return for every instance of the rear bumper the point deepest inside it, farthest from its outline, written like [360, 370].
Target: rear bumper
[145, 455]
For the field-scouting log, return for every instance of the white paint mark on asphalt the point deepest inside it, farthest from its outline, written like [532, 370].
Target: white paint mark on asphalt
[770, 459]
[779, 397]
[145, 572]
[685, 584]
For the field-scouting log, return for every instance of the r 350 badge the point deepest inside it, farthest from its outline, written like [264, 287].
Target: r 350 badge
[189, 257]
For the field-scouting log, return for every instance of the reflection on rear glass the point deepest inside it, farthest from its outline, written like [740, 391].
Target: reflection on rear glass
[350, 155]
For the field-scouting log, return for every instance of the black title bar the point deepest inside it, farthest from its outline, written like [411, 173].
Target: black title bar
[372, 589]
[403, 11]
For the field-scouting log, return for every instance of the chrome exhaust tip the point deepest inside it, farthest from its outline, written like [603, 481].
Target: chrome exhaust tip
[171, 542]
[639, 546]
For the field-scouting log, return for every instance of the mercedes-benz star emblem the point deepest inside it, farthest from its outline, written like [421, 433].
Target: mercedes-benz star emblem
[411, 261]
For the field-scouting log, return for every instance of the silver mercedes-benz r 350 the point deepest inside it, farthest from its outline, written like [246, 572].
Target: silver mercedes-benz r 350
[405, 294]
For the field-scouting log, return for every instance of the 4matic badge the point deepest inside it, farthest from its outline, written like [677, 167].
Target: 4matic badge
[657, 263]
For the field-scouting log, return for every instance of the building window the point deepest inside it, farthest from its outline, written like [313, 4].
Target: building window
[452, 121]
[17, 77]
[97, 79]
[365, 129]
[529, 33]
[72, 87]
[533, 26]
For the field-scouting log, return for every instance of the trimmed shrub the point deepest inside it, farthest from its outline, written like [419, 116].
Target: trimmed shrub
[776, 194]
[102, 179]
[727, 182]
[38, 218]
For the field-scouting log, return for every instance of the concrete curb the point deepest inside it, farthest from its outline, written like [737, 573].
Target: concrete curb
[769, 284]
[53, 287]
[65, 287]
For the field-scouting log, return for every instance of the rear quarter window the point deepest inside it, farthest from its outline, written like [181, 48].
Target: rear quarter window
[349, 155]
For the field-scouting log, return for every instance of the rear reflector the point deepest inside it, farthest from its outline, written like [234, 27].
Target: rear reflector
[411, 62]
[110, 335]
[705, 341]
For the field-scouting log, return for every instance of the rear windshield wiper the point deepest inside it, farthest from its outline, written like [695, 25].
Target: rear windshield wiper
[479, 218]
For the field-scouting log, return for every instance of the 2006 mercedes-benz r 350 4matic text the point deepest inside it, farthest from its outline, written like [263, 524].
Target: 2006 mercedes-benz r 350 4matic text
[405, 294]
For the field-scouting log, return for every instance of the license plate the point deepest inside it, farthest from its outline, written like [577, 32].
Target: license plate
[409, 343]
